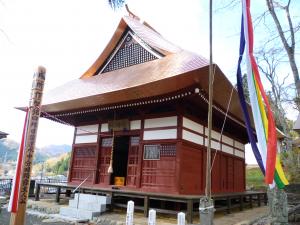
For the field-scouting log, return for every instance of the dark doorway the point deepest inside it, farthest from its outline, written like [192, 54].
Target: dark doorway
[120, 158]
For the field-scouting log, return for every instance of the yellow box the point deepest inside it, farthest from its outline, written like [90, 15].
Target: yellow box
[119, 181]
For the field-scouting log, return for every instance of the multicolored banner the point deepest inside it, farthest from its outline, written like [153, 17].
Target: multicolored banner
[265, 152]
[14, 196]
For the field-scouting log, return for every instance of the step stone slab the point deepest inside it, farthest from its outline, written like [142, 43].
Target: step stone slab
[78, 213]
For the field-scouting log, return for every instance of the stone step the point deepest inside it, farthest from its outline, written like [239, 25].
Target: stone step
[93, 206]
[78, 213]
[88, 198]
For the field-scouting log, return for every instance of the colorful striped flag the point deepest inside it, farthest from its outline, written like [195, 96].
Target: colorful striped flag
[265, 152]
[14, 196]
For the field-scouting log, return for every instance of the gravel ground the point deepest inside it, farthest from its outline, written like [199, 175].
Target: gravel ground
[30, 219]
[118, 218]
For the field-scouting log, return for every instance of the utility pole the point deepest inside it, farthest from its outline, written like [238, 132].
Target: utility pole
[18, 218]
[206, 206]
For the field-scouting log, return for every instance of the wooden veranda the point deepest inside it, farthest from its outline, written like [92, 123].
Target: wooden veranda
[188, 203]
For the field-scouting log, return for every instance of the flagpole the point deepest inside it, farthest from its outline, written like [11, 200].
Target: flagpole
[18, 217]
[206, 207]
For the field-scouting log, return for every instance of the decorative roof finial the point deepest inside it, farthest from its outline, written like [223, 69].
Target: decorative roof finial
[130, 13]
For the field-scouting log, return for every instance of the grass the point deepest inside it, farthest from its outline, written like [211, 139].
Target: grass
[255, 179]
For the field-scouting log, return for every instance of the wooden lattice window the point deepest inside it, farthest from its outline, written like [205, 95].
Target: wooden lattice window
[106, 142]
[168, 150]
[134, 141]
[85, 152]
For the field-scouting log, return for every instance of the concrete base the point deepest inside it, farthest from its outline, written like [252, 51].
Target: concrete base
[85, 206]
[78, 213]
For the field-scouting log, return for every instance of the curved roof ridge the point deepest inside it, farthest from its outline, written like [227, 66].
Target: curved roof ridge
[151, 36]
[143, 30]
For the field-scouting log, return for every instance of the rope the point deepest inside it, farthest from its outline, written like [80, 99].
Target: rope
[223, 125]
[110, 168]
[68, 124]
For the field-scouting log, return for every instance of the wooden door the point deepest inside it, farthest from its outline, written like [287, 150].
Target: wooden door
[132, 167]
[84, 163]
[105, 154]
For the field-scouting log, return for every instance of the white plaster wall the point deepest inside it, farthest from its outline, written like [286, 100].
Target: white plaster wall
[135, 124]
[227, 149]
[227, 140]
[214, 144]
[189, 136]
[214, 134]
[87, 129]
[192, 125]
[239, 145]
[104, 127]
[278, 146]
[160, 134]
[161, 122]
[239, 153]
[86, 139]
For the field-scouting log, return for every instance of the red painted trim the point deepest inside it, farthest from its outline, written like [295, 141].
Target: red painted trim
[87, 134]
[140, 156]
[92, 122]
[159, 115]
[223, 143]
[161, 128]
[121, 133]
[195, 119]
[194, 132]
[163, 141]
[96, 178]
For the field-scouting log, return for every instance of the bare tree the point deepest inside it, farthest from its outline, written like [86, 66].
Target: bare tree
[287, 37]
[268, 63]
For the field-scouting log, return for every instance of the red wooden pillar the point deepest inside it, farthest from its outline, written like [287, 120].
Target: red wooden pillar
[71, 157]
[98, 148]
[140, 155]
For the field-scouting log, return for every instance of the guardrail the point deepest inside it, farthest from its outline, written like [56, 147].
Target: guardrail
[5, 186]
[50, 190]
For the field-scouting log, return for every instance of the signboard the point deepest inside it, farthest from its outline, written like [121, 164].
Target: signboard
[151, 152]
[118, 125]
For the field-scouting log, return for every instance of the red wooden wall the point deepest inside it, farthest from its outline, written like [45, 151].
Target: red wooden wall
[228, 171]
[159, 175]
[180, 168]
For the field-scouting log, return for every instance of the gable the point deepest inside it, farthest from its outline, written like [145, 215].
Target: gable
[131, 50]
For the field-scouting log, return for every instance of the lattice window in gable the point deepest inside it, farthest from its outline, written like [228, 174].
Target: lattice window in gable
[131, 51]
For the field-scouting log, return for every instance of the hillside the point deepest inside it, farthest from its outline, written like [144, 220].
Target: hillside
[54, 150]
[9, 150]
[255, 178]
[53, 166]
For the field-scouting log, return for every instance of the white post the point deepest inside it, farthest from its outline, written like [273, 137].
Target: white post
[130, 210]
[152, 217]
[181, 218]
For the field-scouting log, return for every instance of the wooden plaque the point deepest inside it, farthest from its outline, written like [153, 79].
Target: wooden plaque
[119, 125]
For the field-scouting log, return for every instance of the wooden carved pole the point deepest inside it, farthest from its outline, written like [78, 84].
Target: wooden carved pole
[18, 218]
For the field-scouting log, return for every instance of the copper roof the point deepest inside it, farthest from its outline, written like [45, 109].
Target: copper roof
[177, 70]
[144, 31]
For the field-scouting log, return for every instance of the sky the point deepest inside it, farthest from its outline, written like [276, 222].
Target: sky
[67, 36]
